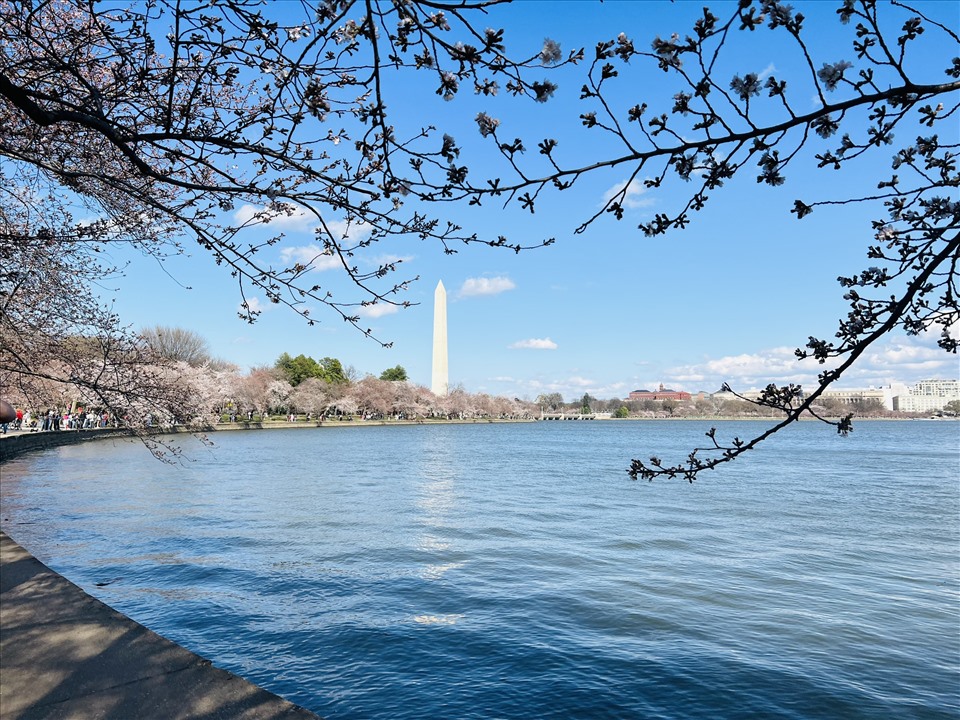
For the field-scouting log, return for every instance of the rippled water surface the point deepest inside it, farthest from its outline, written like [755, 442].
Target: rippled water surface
[514, 571]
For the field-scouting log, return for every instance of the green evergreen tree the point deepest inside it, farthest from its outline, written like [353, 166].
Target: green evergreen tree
[394, 374]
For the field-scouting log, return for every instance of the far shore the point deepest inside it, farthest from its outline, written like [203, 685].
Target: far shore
[18, 442]
[358, 422]
[351, 422]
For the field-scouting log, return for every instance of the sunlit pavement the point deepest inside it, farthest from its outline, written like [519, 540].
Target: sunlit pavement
[64, 654]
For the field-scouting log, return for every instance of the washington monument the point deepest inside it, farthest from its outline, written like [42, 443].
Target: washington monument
[440, 371]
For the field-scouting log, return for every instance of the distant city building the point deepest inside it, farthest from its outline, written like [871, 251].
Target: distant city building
[727, 395]
[925, 396]
[661, 394]
[855, 396]
[938, 388]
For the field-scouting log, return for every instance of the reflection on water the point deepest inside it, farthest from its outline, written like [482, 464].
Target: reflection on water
[452, 619]
[437, 465]
[489, 571]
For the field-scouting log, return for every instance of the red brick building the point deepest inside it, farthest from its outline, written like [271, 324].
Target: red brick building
[661, 394]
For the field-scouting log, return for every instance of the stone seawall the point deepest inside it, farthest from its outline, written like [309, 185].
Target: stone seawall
[13, 445]
[67, 655]
[16, 443]
[64, 654]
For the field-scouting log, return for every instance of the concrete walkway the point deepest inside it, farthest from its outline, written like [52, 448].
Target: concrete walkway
[64, 654]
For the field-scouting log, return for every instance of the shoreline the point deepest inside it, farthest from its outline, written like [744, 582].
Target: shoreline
[14, 443]
[67, 654]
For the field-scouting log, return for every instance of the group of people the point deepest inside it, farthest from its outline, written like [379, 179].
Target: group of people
[79, 419]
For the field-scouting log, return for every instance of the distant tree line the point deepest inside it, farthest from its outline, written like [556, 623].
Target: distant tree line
[706, 406]
[212, 390]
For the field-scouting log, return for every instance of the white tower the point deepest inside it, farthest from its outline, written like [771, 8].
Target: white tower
[440, 378]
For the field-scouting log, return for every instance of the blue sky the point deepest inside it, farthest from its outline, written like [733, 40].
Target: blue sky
[605, 312]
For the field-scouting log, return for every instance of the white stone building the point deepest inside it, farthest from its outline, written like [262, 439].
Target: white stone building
[925, 396]
[855, 396]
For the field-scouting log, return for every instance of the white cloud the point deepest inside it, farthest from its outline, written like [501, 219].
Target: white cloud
[903, 359]
[570, 388]
[312, 256]
[486, 286]
[245, 213]
[954, 330]
[342, 230]
[253, 305]
[317, 258]
[389, 259]
[378, 310]
[633, 197]
[298, 219]
[534, 344]
[767, 72]
[898, 354]
[747, 371]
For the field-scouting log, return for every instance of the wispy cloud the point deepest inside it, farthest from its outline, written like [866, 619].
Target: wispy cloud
[569, 387]
[633, 197]
[485, 286]
[378, 310]
[296, 220]
[388, 259]
[534, 344]
[342, 230]
[299, 220]
[767, 72]
[312, 256]
[903, 359]
[750, 369]
[253, 304]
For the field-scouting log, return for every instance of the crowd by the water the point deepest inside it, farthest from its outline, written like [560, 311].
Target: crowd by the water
[81, 419]
[78, 419]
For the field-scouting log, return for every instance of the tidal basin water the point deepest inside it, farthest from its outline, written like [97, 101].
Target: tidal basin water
[515, 571]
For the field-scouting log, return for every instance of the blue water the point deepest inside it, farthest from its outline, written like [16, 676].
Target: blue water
[515, 571]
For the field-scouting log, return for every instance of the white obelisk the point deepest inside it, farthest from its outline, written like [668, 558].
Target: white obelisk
[440, 370]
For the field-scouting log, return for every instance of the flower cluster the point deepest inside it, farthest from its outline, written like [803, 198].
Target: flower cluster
[486, 124]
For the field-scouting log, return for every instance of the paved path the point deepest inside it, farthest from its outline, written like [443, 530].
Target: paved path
[64, 654]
